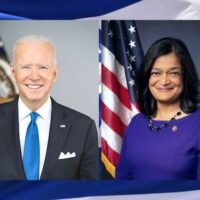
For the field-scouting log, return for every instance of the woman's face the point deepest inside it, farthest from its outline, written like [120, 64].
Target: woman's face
[166, 79]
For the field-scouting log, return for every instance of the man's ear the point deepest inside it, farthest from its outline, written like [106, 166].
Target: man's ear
[12, 70]
[56, 72]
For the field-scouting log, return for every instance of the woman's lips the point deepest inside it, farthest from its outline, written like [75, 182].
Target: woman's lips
[164, 89]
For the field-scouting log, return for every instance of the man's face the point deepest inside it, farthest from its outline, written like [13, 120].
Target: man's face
[35, 72]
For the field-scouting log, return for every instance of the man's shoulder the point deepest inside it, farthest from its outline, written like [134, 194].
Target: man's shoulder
[8, 109]
[10, 105]
[72, 114]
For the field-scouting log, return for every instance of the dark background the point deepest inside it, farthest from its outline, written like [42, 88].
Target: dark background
[188, 31]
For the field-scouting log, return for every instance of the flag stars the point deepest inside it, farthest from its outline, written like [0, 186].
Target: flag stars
[110, 33]
[132, 58]
[132, 29]
[131, 82]
[130, 67]
[132, 44]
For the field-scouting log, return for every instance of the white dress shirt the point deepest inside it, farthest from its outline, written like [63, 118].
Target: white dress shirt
[43, 123]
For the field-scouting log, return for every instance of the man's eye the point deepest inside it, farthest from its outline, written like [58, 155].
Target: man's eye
[43, 67]
[25, 67]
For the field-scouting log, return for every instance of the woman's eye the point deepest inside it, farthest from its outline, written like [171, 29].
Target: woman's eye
[155, 73]
[175, 73]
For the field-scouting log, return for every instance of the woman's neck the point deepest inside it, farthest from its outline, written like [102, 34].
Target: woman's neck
[166, 112]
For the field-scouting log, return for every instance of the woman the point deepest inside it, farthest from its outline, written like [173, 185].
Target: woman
[163, 141]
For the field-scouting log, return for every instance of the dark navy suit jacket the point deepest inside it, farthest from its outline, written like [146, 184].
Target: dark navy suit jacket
[79, 135]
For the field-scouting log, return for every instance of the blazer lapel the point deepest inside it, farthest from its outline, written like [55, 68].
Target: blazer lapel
[10, 133]
[57, 137]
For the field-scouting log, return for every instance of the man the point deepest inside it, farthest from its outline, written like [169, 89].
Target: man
[39, 138]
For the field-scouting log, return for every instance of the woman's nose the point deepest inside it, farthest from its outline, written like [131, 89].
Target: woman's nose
[164, 79]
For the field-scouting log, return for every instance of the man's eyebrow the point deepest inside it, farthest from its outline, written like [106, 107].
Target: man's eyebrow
[22, 65]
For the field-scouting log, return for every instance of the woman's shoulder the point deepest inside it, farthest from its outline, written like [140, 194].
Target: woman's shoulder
[138, 122]
[197, 112]
[140, 117]
[193, 116]
[196, 116]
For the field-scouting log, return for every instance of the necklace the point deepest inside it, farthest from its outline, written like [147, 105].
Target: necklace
[158, 128]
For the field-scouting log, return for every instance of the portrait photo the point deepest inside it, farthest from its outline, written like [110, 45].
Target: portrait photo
[150, 99]
[49, 94]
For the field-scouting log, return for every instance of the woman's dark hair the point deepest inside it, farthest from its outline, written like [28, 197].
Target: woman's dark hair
[189, 100]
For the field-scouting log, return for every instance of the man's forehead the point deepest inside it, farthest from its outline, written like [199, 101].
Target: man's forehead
[36, 44]
[34, 50]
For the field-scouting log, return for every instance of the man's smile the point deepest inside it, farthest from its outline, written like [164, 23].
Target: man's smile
[34, 86]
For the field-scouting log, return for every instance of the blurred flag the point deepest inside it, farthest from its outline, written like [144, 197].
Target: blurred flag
[121, 56]
[6, 16]
[59, 9]
[101, 190]
[156, 9]
[100, 9]
[191, 195]
[7, 87]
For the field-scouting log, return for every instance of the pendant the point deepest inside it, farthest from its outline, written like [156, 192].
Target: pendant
[174, 128]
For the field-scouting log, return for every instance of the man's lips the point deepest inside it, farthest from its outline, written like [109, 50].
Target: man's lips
[34, 86]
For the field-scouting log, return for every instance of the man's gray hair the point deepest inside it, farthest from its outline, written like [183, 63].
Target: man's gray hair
[33, 39]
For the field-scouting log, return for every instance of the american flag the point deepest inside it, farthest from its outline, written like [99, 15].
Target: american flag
[121, 57]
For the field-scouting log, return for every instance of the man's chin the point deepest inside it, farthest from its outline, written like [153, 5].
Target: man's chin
[34, 100]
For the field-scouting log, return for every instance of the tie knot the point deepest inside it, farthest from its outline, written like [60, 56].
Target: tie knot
[34, 116]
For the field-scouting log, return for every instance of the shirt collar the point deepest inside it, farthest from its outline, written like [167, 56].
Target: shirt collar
[44, 111]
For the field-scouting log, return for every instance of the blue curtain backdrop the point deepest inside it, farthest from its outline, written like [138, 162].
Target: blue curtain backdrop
[70, 189]
[59, 9]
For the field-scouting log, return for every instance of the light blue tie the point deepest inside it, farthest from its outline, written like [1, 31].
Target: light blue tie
[31, 158]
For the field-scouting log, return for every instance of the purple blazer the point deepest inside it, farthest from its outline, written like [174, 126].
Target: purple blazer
[169, 154]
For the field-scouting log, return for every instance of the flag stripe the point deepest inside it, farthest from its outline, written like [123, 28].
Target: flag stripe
[112, 156]
[112, 120]
[113, 103]
[110, 80]
[109, 60]
[112, 138]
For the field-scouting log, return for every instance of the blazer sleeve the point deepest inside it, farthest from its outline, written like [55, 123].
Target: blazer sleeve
[198, 153]
[89, 160]
[122, 169]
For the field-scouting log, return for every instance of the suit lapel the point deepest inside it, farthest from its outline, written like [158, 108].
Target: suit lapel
[57, 138]
[10, 133]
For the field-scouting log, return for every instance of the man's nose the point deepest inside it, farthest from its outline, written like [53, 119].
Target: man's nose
[34, 75]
